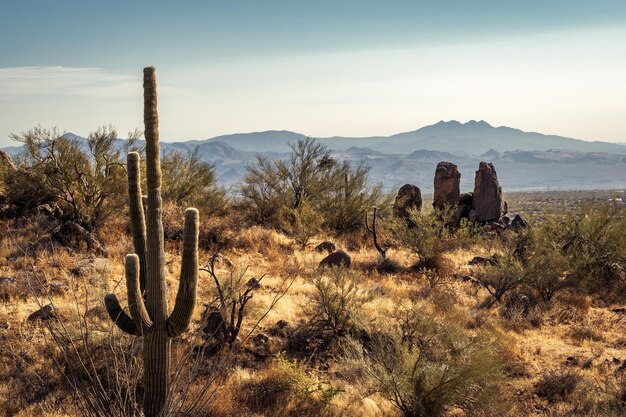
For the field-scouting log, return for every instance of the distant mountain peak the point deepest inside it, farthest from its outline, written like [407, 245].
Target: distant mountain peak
[480, 123]
[456, 123]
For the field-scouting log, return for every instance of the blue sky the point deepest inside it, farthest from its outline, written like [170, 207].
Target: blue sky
[317, 67]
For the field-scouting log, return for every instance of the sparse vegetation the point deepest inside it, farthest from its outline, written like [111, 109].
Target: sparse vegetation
[402, 331]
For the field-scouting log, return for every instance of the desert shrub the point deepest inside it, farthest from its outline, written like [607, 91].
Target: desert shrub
[428, 236]
[338, 192]
[190, 182]
[336, 300]
[504, 275]
[612, 389]
[584, 248]
[539, 250]
[302, 223]
[286, 389]
[595, 242]
[428, 365]
[88, 177]
[557, 386]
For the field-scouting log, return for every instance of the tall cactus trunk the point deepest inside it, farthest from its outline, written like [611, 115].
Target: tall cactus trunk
[145, 270]
[156, 345]
[156, 373]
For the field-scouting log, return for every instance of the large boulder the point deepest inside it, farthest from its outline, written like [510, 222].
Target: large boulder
[447, 185]
[487, 199]
[409, 197]
[336, 259]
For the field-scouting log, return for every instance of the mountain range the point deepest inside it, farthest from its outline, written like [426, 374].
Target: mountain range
[523, 160]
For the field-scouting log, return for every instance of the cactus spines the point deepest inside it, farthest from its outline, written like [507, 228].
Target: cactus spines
[145, 269]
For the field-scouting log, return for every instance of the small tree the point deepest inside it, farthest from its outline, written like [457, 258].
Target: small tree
[275, 190]
[87, 176]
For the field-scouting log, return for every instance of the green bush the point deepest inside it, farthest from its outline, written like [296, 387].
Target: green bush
[547, 266]
[594, 240]
[504, 275]
[428, 236]
[585, 248]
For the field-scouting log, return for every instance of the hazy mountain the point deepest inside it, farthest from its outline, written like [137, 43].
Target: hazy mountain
[524, 160]
[471, 138]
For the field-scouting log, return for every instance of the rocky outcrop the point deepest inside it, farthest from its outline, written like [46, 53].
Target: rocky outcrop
[447, 185]
[409, 197]
[487, 198]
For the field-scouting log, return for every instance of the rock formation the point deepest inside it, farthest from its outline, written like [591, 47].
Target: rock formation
[447, 185]
[487, 198]
[409, 197]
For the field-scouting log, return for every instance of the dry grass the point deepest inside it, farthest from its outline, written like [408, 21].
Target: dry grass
[574, 337]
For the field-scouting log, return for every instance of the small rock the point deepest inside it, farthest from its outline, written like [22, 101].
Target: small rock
[336, 259]
[518, 223]
[214, 325]
[326, 247]
[388, 266]
[261, 339]
[483, 260]
[5, 325]
[46, 312]
[253, 283]
[281, 329]
[472, 215]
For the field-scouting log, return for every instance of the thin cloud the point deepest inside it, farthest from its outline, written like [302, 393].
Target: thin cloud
[58, 81]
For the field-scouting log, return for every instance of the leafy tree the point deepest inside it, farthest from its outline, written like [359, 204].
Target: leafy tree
[275, 190]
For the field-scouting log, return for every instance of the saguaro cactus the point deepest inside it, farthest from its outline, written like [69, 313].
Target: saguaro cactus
[145, 269]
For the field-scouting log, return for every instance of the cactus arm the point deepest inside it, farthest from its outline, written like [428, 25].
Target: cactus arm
[186, 296]
[119, 316]
[156, 290]
[135, 300]
[137, 217]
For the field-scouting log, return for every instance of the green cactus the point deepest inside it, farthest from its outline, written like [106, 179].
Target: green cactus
[145, 269]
